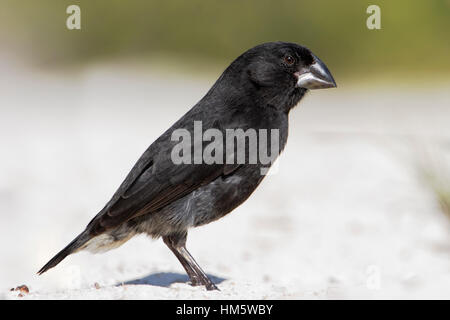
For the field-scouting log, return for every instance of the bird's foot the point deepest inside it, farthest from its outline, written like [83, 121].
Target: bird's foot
[209, 285]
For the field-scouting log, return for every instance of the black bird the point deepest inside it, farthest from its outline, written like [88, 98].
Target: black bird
[163, 198]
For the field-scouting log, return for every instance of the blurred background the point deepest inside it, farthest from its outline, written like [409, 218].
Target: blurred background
[205, 35]
[360, 206]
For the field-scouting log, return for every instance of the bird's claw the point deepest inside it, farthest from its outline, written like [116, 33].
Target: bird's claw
[209, 285]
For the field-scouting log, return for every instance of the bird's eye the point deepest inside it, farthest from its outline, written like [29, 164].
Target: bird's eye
[289, 60]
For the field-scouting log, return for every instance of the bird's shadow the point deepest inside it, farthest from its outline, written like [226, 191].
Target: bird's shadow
[165, 279]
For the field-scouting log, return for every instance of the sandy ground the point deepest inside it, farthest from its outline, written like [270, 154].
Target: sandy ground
[346, 215]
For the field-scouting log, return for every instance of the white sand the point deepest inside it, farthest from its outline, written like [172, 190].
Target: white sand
[346, 216]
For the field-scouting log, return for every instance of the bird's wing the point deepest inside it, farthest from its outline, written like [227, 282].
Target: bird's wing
[154, 182]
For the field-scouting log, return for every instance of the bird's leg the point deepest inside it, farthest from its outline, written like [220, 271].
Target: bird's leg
[193, 277]
[204, 279]
[177, 244]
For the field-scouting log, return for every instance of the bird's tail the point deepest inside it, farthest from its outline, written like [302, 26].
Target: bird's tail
[76, 244]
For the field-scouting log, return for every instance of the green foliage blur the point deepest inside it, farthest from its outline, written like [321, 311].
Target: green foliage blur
[414, 36]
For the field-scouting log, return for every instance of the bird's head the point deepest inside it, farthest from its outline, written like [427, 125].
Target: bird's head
[275, 63]
[281, 71]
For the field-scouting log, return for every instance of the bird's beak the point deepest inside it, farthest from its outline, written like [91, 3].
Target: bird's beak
[316, 76]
